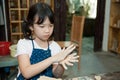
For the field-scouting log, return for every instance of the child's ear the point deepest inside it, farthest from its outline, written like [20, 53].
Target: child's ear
[31, 28]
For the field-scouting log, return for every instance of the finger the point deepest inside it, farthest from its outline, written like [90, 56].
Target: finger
[64, 66]
[69, 64]
[70, 47]
[74, 57]
[68, 51]
[73, 61]
[73, 54]
[63, 49]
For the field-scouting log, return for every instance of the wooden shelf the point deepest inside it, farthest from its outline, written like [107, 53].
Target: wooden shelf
[16, 34]
[18, 9]
[16, 12]
[116, 2]
[115, 51]
[16, 21]
[114, 28]
[13, 8]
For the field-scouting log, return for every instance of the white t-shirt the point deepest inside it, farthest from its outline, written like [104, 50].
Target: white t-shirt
[25, 46]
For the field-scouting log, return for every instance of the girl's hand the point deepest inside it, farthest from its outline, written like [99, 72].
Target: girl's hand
[69, 60]
[64, 53]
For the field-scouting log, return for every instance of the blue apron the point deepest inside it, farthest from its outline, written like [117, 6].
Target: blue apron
[39, 55]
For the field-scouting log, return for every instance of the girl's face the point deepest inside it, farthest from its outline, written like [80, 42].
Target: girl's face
[43, 31]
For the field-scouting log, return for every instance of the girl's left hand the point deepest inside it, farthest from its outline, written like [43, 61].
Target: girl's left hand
[69, 60]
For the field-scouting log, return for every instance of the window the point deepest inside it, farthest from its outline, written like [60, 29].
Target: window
[87, 8]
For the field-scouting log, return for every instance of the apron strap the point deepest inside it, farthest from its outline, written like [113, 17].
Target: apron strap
[33, 44]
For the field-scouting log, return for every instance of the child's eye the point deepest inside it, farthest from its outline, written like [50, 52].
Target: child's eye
[42, 26]
[51, 25]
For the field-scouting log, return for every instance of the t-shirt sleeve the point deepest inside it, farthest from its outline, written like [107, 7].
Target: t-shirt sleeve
[22, 47]
[55, 48]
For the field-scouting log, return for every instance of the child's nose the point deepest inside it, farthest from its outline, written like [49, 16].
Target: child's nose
[47, 29]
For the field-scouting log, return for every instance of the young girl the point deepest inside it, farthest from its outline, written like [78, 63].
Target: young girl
[37, 53]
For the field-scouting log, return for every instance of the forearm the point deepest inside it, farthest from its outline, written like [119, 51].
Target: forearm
[59, 71]
[29, 70]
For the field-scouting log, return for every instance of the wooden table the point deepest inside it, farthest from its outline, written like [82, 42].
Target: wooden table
[6, 61]
[103, 76]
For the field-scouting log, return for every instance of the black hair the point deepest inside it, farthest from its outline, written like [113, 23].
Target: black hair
[42, 10]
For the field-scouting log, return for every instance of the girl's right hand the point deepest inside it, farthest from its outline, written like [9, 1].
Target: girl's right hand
[69, 60]
[64, 53]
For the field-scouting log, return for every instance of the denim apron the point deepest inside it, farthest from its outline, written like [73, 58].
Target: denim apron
[39, 55]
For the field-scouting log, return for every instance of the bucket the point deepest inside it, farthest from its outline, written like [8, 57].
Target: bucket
[4, 48]
[13, 49]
